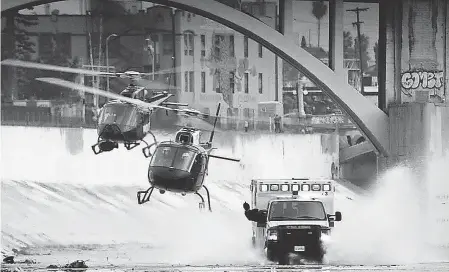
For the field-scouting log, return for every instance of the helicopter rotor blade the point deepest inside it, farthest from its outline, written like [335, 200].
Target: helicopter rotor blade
[196, 113]
[50, 67]
[79, 87]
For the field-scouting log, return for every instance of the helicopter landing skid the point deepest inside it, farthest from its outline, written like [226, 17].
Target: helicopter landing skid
[130, 146]
[202, 204]
[144, 196]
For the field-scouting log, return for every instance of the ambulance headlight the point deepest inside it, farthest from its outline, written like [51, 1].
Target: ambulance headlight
[325, 231]
[272, 235]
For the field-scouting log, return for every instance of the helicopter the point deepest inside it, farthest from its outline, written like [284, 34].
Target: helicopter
[181, 165]
[126, 118]
[178, 166]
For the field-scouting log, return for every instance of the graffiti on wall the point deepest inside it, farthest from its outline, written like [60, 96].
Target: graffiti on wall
[422, 79]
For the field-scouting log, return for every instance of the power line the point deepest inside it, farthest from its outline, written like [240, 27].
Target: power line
[358, 23]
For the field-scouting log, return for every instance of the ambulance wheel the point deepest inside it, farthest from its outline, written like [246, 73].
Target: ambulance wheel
[271, 256]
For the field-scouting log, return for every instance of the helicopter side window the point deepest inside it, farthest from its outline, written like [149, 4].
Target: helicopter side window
[184, 159]
[196, 167]
[184, 138]
[163, 156]
[125, 116]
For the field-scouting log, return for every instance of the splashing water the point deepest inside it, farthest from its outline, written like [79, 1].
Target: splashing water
[390, 226]
[71, 197]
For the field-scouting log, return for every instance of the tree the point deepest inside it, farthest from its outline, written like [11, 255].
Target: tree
[223, 66]
[55, 54]
[351, 47]
[348, 45]
[365, 43]
[376, 54]
[303, 42]
[319, 9]
[17, 46]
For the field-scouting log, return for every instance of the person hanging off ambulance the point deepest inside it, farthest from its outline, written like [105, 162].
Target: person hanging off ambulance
[255, 215]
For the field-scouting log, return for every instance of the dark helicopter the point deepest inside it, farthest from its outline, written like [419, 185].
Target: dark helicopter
[126, 118]
[180, 166]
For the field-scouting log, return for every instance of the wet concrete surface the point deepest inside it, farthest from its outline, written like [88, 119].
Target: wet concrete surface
[430, 267]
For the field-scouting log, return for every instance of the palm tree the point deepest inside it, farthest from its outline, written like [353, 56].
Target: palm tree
[319, 9]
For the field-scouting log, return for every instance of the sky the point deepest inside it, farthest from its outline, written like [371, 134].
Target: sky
[304, 20]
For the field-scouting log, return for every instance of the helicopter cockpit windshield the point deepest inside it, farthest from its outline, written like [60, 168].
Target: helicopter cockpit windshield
[180, 158]
[125, 116]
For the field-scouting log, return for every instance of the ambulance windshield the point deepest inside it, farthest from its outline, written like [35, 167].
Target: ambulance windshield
[296, 210]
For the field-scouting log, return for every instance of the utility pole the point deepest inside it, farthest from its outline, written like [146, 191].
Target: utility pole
[358, 23]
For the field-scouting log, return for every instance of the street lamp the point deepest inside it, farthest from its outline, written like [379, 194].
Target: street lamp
[107, 59]
[150, 48]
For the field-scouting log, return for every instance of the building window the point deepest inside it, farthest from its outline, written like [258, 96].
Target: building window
[203, 82]
[49, 42]
[155, 39]
[218, 41]
[188, 44]
[231, 45]
[186, 81]
[246, 83]
[232, 81]
[245, 47]
[203, 45]
[114, 47]
[260, 83]
[189, 81]
[167, 44]
[260, 50]
[192, 81]
[217, 81]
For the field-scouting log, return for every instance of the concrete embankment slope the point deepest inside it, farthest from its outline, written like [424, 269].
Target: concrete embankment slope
[56, 192]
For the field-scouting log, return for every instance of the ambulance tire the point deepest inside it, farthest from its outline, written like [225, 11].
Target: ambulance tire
[283, 259]
[271, 256]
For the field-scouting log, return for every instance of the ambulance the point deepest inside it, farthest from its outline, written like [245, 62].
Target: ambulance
[299, 211]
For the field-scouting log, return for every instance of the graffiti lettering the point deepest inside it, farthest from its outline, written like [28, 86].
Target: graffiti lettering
[425, 79]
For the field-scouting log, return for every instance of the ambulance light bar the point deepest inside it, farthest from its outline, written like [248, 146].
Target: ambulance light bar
[315, 187]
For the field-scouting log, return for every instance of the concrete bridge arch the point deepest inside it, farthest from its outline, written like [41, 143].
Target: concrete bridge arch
[372, 122]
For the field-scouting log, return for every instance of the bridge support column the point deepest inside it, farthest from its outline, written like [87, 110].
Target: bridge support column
[419, 137]
[417, 76]
[336, 27]
[418, 132]
[415, 63]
